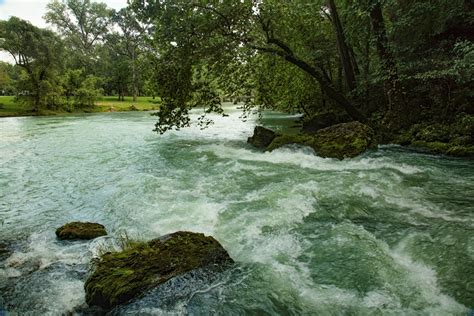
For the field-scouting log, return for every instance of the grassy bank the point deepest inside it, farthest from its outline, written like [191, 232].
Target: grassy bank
[105, 104]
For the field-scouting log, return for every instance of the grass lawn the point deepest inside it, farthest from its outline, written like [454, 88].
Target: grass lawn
[142, 104]
[105, 104]
[10, 108]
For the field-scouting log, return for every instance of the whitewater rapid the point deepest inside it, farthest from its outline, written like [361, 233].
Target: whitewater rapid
[389, 232]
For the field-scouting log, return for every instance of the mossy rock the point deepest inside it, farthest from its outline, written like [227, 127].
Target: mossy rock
[434, 147]
[434, 133]
[345, 140]
[80, 230]
[121, 276]
[450, 149]
[461, 151]
[262, 137]
[299, 139]
[455, 139]
[463, 125]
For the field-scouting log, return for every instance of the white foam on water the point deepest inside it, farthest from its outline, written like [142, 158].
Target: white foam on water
[43, 250]
[418, 206]
[64, 295]
[304, 157]
[420, 279]
[199, 216]
[425, 280]
[9, 272]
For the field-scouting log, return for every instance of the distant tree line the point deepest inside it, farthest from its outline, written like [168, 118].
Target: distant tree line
[93, 51]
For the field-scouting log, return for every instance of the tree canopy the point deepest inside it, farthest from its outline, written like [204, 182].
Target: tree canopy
[384, 62]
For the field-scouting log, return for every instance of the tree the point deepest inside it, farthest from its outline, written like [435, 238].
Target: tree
[82, 23]
[398, 113]
[8, 76]
[345, 52]
[37, 51]
[127, 43]
[219, 34]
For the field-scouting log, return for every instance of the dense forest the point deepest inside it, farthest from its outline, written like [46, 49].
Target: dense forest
[403, 67]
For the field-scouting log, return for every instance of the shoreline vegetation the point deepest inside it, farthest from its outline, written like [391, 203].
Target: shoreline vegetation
[10, 108]
[431, 138]
[409, 80]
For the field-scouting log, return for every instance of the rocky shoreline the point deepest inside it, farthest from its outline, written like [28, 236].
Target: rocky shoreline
[330, 138]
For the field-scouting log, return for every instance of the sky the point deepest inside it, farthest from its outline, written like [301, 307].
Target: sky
[33, 11]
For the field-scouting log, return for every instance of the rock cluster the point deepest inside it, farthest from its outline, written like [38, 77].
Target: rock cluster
[455, 139]
[345, 140]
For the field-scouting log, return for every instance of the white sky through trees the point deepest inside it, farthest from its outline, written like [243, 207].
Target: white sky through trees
[33, 11]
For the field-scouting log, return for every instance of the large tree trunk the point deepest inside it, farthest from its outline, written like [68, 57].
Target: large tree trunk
[134, 77]
[398, 114]
[285, 52]
[347, 59]
[329, 89]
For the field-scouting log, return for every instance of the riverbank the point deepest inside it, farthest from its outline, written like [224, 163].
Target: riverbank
[9, 108]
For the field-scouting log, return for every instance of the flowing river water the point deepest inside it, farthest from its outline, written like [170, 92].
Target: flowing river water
[389, 232]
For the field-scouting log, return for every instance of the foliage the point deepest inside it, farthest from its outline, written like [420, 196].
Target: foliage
[37, 52]
[83, 23]
[395, 62]
[88, 92]
[6, 81]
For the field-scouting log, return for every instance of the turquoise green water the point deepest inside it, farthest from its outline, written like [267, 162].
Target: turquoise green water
[390, 232]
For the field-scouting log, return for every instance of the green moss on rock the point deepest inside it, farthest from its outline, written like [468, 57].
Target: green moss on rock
[122, 276]
[460, 151]
[80, 230]
[282, 140]
[434, 147]
[340, 141]
[454, 139]
[451, 149]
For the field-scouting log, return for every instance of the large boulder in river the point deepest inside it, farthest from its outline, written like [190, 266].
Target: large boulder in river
[262, 137]
[340, 141]
[80, 230]
[121, 276]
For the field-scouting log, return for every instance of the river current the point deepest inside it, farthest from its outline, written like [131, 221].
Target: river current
[390, 232]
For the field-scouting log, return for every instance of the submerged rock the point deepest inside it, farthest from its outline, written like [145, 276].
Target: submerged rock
[122, 276]
[262, 137]
[80, 230]
[340, 141]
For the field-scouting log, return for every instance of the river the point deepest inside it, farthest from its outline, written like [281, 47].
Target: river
[389, 232]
